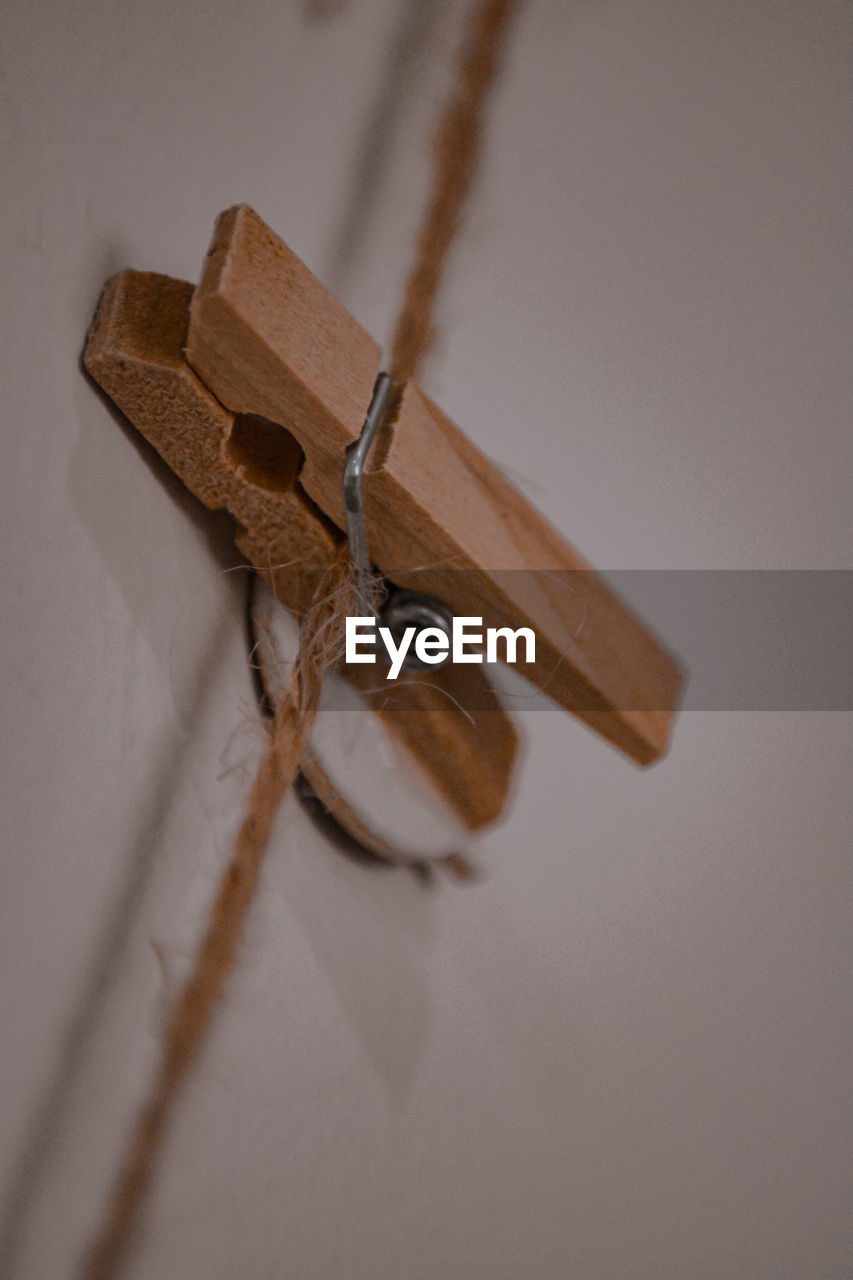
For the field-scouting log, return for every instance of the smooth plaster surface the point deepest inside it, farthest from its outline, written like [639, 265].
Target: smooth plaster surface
[626, 1053]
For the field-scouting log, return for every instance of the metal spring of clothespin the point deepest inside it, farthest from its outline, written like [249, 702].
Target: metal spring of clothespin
[401, 609]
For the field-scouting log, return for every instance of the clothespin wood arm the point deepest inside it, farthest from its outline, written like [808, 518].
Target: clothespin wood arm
[268, 339]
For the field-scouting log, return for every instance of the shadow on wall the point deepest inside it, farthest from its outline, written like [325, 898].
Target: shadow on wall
[105, 505]
[398, 82]
[371, 934]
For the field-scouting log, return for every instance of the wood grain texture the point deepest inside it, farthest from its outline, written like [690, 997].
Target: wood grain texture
[267, 338]
[452, 724]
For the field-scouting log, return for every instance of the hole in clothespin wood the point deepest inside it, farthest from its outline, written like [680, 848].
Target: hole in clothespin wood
[264, 452]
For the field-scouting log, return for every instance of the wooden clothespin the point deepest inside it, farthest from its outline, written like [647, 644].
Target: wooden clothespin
[253, 386]
[267, 338]
[453, 724]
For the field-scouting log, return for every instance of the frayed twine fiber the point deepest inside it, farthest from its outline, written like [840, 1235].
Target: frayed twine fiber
[320, 649]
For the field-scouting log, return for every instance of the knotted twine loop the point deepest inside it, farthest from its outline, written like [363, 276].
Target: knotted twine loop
[321, 647]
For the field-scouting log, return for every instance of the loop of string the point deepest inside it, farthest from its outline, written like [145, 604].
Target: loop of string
[320, 649]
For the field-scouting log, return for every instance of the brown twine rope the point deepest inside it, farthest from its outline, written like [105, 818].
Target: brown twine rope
[321, 645]
[320, 648]
[456, 149]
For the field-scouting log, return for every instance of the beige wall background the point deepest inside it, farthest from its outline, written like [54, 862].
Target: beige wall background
[626, 1053]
